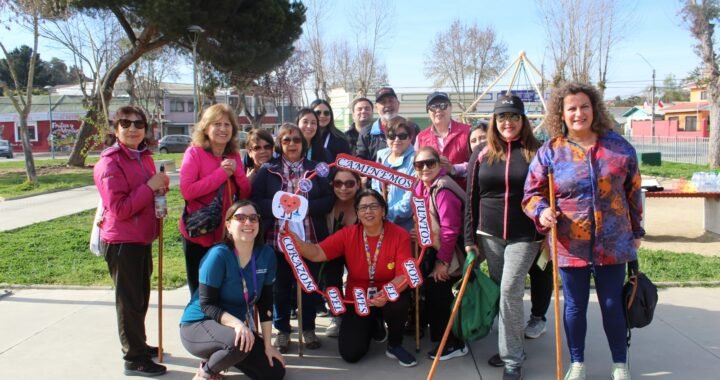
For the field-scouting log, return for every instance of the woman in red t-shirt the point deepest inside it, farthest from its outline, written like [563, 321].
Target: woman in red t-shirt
[374, 251]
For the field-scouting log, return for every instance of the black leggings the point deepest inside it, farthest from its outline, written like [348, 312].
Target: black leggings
[193, 254]
[541, 288]
[215, 343]
[356, 331]
[439, 296]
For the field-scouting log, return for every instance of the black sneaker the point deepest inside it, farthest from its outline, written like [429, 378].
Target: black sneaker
[403, 357]
[450, 351]
[147, 368]
[495, 361]
[514, 373]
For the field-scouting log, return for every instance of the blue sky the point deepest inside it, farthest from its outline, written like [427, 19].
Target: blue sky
[655, 31]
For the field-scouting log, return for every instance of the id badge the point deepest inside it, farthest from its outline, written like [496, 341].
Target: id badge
[371, 292]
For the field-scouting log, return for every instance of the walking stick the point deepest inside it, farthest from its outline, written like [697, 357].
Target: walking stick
[160, 287]
[417, 306]
[299, 319]
[556, 286]
[470, 260]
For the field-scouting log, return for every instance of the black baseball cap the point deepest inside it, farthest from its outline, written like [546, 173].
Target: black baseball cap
[383, 92]
[437, 95]
[511, 104]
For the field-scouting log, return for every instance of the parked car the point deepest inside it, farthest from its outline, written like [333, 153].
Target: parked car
[5, 149]
[174, 143]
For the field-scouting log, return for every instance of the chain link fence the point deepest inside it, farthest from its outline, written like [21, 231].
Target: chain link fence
[690, 150]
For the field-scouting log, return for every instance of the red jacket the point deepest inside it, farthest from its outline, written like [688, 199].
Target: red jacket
[200, 177]
[121, 178]
[456, 144]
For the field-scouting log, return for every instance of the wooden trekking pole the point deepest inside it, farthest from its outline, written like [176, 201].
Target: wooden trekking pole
[299, 319]
[470, 264]
[417, 305]
[160, 288]
[556, 284]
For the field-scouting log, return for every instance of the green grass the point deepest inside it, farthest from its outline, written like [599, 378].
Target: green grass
[666, 266]
[41, 163]
[56, 252]
[673, 170]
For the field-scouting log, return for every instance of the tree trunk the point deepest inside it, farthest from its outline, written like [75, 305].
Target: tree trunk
[27, 150]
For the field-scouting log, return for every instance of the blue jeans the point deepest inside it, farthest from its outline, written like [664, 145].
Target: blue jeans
[282, 294]
[609, 281]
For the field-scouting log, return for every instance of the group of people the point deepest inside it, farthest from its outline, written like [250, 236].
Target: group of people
[486, 188]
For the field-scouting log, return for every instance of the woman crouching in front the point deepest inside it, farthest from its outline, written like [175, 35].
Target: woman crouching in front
[218, 324]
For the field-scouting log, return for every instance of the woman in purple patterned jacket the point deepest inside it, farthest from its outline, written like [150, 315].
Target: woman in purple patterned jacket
[599, 210]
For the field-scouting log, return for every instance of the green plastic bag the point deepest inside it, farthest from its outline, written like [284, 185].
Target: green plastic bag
[479, 306]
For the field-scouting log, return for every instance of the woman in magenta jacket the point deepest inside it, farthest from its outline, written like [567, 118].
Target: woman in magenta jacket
[212, 161]
[126, 180]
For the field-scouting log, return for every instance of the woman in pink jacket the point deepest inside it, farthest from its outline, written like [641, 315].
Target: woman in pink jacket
[211, 162]
[126, 180]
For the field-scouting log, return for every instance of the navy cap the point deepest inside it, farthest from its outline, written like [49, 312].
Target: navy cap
[383, 92]
[437, 95]
[511, 104]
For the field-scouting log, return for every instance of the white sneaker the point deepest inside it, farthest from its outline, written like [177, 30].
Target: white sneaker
[620, 372]
[576, 371]
[535, 327]
[333, 329]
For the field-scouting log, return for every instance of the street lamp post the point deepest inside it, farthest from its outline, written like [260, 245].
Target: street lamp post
[652, 122]
[52, 135]
[195, 35]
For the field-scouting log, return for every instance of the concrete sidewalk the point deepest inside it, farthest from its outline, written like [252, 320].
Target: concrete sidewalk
[71, 334]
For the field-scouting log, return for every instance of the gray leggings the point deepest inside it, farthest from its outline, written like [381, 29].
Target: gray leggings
[509, 263]
[215, 344]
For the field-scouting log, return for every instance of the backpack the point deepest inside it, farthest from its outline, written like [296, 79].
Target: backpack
[640, 296]
[479, 305]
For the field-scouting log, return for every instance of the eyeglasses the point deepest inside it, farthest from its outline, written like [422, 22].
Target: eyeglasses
[287, 140]
[126, 123]
[503, 117]
[349, 184]
[370, 207]
[242, 218]
[429, 164]
[399, 136]
[322, 112]
[438, 106]
[258, 148]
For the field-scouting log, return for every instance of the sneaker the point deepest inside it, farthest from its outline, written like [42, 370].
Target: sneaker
[312, 342]
[535, 327]
[495, 361]
[620, 372]
[576, 372]
[512, 373]
[293, 314]
[449, 352]
[202, 375]
[147, 368]
[403, 357]
[381, 334]
[282, 342]
[333, 329]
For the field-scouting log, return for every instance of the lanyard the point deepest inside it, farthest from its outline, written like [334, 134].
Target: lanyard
[372, 264]
[248, 305]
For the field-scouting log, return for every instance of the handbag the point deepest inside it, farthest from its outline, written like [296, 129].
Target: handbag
[479, 306]
[640, 296]
[207, 219]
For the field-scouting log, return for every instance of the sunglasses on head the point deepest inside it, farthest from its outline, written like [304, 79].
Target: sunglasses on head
[322, 112]
[503, 117]
[429, 164]
[349, 184]
[438, 106]
[400, 136]
[242, 218]
[287, 140]
[258, 148]
[126, 123]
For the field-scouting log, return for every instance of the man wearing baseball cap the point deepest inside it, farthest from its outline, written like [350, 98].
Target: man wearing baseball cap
[447, 136]
[372, 137]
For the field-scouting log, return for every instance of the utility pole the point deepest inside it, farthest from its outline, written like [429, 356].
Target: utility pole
[195, 32]
[652, 121]
[52, 135]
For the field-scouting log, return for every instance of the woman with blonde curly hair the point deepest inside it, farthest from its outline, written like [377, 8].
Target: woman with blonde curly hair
[212, 162]
[598, 216]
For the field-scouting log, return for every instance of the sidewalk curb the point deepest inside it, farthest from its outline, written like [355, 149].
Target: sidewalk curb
[41, 193]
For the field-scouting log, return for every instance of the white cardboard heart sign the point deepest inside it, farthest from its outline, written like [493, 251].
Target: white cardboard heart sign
[289, 206]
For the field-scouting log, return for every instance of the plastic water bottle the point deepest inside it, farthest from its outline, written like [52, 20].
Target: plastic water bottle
[160, 201]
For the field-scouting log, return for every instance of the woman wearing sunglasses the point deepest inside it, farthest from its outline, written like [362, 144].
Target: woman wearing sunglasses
[374, 250]
[127, 182]
[345, 184]
[308, 122]
[260, 147]
[285, 173]
[332, 139]
[212, 162]
[397, 156]
[218, 324]
[495, 221]
[442, 267]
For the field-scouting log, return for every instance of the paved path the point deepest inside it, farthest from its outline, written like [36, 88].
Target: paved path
[71, 334]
